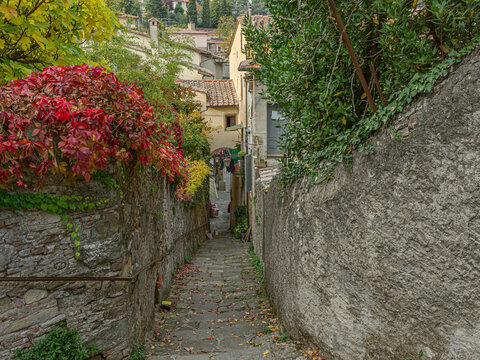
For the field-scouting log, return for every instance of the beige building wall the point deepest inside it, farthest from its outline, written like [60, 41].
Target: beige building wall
[220, 137]
[236, 56]
[215, 116]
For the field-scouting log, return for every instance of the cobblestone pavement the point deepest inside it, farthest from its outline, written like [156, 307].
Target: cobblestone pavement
[219, 308]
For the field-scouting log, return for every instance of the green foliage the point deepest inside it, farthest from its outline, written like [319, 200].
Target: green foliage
[131, 7]
[35, 34]
[192, 11]
[138, 352]
[240, 7]
[59, 344]
[240, 211]
[259, 8]
[241, 221]
[206, 13]
[177, 17]
[225, 28]
[308, 72]
[106, 178]
[195, 135]
[157, 9]
[152, 73]
[256, 263]
[419, 357]
[55, 204]
[179, 9]
[240, 228]
[218, 9]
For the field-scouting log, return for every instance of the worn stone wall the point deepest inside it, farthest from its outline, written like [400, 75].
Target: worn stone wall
[123, 236]
[383, 261]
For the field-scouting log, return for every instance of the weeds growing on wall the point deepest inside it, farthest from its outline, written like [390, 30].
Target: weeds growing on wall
[138, 352]
[241, 219]
[256, 263]
[60, 343]
[308, 72]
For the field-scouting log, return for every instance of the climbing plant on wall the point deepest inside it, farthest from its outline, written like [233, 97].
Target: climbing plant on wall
[73, 121]
[308, 72]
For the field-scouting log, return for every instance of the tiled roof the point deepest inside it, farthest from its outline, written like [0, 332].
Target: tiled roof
[219, 92]
[245, 65]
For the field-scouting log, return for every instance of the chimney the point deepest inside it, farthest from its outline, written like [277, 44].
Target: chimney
[153, 24]
[191, 26]
[250, 10]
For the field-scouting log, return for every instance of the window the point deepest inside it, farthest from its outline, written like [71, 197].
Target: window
[230, 120]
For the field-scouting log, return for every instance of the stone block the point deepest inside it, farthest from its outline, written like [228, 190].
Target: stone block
[7, 254]
[5, 305]
[35, 318]
[34, 295]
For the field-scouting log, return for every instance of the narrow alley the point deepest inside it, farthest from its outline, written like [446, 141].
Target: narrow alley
[219, 309]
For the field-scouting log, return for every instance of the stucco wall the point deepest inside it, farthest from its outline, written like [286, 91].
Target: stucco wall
[384, 260]
[117, 239]
[221, 138]
[236, 56]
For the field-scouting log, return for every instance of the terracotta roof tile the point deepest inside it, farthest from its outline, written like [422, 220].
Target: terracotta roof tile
[219, 92]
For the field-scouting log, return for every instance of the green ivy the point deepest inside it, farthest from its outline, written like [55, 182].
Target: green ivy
[61, 343]
[106, 178]
[55, 204]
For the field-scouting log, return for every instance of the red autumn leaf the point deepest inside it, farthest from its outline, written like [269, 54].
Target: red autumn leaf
[82, 117]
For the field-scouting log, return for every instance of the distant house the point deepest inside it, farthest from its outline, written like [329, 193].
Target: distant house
[219, 107]
[172, 4]
[201, 65]
[199, 36]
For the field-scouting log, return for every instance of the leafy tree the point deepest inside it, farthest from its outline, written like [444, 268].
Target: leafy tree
[177, 18]
[192, 11]
[308, 72]
[206, 13]
[219, 8]
[37, 33]
[226, 25]
[239, 7]
[179, 10]
[155, 75]
[157, 9]
[131, 7]
[259, 8]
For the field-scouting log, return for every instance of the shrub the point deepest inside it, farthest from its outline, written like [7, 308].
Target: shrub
[59, 344]
[198, 171]
[74, 120]
[308, 72]
[138, 352]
